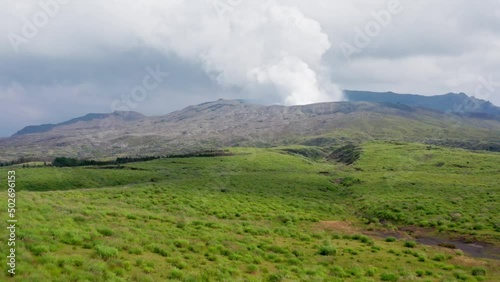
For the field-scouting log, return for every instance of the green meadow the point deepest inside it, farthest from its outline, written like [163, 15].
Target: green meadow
[276, 214]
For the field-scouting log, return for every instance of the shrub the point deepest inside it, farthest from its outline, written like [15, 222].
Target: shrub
[135, 251]
[356, 272]
[338, 271]
[276, 277]
[478, 226]
[390, 239]
[410, 244]
[286, 219]
[178, 263]
[478, 271]
[422, 258]
[365, 239]
[439, 257]
[252, 268]
[71, 238]
[38, 250]
[160, 251]
[78, 262]
[349, 181]
[181, 224]
[106, 252]
[351, 251]
[370, 272]
[336, 236]
[175, 274]
[181, 243]
[327, 251]
[389, 277]
[79, 218]
[105, 231]
[460, 276]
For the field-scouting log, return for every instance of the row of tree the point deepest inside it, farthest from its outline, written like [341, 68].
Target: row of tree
[72, 162]
[21, 160]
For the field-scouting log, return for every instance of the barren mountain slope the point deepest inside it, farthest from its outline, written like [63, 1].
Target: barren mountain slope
[236, 123]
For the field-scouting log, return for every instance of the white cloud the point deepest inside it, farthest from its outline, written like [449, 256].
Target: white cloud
[254, 37]
[282, 51]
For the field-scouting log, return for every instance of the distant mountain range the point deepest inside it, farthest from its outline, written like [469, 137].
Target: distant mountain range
[447, 103]
[452, 120]
[125, 116]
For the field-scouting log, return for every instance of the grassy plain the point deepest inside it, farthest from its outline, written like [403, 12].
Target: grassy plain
[260, 215]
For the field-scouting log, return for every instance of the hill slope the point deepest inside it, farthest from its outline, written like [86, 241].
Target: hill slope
[263, 215]
[236, 123]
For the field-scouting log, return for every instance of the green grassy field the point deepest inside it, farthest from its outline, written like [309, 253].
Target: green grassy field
[280, 214]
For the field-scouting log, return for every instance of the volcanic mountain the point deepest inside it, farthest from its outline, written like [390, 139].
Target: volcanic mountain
[225, 123]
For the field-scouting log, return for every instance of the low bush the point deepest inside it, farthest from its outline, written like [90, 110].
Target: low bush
[389, 277]
[106, 252]
[105, 231]
[327, 251]
[478, 271]
[410, 244]
[175, 274]
[390, 239]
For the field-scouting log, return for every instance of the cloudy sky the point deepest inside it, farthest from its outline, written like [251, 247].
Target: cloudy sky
[61, 59]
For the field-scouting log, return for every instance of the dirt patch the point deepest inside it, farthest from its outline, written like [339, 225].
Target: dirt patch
[467, 261]
[384, 234]
[423, 236]
[345, 227]
[469, 246]
[338, 226]
[475, 249]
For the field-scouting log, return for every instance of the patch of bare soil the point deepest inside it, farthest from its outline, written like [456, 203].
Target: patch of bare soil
[338, 226]
[423, 236]
[473, 249]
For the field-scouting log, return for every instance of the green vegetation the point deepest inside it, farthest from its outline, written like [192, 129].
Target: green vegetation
[72, 162]
[448, 190]
[347, 154]
[259, 215]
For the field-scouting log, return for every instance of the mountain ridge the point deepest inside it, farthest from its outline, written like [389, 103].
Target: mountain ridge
[226, 123]
[123, 115]
[458, 103]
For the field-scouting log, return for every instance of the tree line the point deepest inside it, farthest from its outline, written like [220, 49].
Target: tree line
[72, 162]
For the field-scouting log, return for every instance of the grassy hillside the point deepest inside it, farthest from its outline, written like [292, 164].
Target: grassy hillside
[281, 214]
[428, 186]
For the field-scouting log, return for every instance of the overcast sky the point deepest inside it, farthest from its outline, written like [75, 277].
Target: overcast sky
[60, 59]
